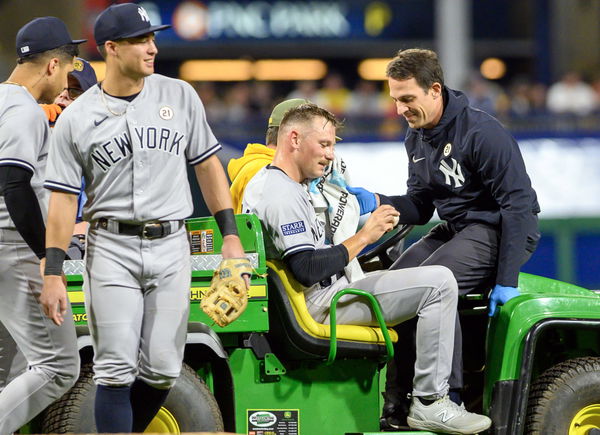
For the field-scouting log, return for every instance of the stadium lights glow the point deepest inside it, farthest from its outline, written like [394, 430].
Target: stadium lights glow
[242, 70]
[216, 70]
[100, 69]
[493, 68]
[373, 69]
[290, 69]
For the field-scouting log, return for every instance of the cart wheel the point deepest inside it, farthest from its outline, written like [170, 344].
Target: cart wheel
[190, 407]
[565, 399]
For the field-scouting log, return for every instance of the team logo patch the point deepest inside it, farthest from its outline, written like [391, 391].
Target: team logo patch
[165, 113]
[293, 228]
[447, 149]
[78, 65]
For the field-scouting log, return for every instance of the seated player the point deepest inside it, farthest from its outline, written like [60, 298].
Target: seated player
[295, 235]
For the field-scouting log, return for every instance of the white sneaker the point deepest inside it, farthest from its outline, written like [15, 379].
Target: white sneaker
[445, 416]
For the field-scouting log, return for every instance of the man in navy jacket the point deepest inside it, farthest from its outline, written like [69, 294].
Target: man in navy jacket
[467, 167]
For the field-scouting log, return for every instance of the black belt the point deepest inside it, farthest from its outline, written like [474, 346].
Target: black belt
[328, 281]
[147, 230]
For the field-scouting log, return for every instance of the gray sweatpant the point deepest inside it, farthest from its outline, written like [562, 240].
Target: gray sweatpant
[427, 292]
[137, 299]
[50, 350]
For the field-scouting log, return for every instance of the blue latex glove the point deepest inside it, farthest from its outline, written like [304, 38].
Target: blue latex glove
[501, 295]
[366, 199]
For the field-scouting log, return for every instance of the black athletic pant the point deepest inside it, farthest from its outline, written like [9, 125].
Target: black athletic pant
[471, 254]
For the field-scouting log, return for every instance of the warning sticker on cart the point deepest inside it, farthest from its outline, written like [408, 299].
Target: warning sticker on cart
[202, 241]
[273, 422]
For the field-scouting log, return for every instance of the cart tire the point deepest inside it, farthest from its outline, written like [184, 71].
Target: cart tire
[565, 399]
[190, 407]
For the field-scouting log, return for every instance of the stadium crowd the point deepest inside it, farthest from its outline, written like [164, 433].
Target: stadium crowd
[571, 103]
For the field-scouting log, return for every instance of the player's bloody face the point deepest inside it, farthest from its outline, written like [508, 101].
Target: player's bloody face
[317, 141]
[420, 108]
[136, 56]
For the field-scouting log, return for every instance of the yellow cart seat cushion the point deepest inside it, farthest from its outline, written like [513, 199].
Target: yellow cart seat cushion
[295, 292]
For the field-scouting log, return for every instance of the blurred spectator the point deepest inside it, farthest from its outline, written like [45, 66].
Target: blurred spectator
[596, 88]
[519, 97]
[537, 97]
[366, 100]
[306, 89]
[571, 95]
[334, 96]
[481, 94]
[237, 102]
[215, 109]
[261, 99]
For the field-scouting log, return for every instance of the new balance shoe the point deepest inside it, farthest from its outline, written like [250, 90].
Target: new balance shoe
[445, 416]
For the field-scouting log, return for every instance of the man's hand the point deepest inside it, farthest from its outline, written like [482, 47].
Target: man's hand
[366, 200]
[380, 222]
[54, 298]
[501, 295]
[232, 248]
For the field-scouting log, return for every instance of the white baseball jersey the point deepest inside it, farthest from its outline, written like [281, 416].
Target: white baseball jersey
[24, 135]
[134, 164]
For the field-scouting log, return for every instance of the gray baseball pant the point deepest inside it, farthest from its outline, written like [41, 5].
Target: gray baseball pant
[137, 299]
[427, 292]
[50, 350]
[471, 254]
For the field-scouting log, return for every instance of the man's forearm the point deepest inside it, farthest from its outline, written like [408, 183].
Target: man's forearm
[61, 220]
[213, 184]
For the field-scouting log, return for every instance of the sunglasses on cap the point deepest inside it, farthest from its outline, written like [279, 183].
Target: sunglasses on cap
[74, 92]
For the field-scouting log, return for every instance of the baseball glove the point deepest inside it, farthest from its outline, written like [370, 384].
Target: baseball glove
[227, 296]
[52, 111]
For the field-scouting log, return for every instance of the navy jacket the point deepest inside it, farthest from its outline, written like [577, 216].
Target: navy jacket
[470, 169]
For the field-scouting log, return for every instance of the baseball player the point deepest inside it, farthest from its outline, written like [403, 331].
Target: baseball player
[45, 53]
[79, 80]
[339, 210]
[131, 138]
[295, 235]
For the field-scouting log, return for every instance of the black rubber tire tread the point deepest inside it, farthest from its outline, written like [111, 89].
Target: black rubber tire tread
[549, 395]
[64, 415]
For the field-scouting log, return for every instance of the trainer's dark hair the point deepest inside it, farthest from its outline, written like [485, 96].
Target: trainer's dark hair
[420, 64]
[306, 113]
[64, 53]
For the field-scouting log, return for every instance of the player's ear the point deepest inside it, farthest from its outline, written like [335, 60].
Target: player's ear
[110, 48]
[295, 139]
[52, 66]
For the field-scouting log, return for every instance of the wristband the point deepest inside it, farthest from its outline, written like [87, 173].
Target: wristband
[54, 261]
[226, 222]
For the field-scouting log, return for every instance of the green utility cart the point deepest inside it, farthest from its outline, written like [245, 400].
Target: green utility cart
[534, 368]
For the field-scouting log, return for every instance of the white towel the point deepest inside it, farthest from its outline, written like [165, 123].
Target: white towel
[337, 209]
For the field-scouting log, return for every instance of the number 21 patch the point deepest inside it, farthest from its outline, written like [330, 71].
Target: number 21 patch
[293, 228]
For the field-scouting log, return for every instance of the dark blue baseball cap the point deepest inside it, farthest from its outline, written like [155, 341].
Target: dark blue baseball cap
[43, 34]
[84, 73]
[126, 20]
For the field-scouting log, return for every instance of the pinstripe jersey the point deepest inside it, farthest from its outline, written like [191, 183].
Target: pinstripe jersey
[134, 164]
[285, 211]
[24, 137]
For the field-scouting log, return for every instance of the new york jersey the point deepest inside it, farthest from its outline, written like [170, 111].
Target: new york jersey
[133, 157]
[24, 136]
[285, 211]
